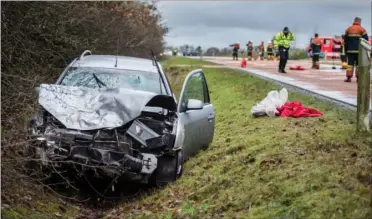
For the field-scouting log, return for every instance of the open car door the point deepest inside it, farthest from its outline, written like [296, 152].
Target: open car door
[196, 115]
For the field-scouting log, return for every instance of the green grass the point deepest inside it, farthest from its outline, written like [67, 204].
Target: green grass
[255, 167]
[266, 167]
[176, 60]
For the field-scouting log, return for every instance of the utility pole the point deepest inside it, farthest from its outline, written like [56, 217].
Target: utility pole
[364, 111]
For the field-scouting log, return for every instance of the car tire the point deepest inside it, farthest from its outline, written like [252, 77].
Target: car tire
[179, 164]
[169, 169]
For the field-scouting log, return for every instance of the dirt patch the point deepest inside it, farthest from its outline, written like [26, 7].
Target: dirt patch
[270, 163]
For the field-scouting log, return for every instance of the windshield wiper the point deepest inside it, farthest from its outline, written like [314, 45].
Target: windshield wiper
[99, 82]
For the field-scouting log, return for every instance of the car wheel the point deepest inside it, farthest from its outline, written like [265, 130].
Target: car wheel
[169, 169]
[179, 164]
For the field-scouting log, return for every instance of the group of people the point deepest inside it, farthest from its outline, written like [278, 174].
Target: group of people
[281, 44]
[261, 51]
[349, 48]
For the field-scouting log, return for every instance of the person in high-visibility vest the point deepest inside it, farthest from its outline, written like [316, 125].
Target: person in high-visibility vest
[261, 50]
[316, 46]
[250, 50]
[270, 51]
[236, 47]
[282, 40]
[352, 35]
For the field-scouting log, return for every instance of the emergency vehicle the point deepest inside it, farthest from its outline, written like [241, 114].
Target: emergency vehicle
[329, 47]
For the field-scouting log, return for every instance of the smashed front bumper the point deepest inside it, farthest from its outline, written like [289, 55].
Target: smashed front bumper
[113, 152]
[103, 161]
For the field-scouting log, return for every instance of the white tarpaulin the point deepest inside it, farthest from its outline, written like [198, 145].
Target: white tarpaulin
[272, 101]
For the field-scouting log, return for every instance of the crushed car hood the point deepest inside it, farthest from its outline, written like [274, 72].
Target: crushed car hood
[84, 108]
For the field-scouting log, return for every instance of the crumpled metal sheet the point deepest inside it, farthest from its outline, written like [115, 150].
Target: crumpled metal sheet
[84, 108]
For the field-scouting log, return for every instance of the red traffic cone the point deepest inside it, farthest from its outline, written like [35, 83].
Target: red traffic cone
[243, 63]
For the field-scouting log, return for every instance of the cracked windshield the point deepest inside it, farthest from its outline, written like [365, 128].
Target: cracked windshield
[112, 78]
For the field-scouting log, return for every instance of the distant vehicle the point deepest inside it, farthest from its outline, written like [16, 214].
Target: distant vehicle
[329, 47]
[117, 118]
[190, 54]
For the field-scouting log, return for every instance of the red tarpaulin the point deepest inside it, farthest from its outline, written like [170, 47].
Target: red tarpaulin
[296, 109]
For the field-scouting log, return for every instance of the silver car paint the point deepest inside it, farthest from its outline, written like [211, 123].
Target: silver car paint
[186, 120]
[195, 127]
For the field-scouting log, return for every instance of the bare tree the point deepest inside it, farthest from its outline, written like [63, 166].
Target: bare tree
[40, 38]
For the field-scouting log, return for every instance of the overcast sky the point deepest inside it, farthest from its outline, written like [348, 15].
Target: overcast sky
[220, 23]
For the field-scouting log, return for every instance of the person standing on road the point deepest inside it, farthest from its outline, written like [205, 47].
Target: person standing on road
[342, 53]
[235, 50]
[282, 41]
[270, 52]
[250, 50]
[261, 50]
[352, 35]
[316, 46]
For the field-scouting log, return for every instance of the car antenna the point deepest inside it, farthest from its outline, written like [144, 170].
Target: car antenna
[117, 53]
[154, 62]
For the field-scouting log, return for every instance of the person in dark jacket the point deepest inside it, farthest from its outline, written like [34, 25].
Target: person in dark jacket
[236, 48]
[261, 50]
[316, 46]
[352, 35]
[250, 50]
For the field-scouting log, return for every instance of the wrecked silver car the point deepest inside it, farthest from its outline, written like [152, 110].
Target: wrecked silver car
[119, 116]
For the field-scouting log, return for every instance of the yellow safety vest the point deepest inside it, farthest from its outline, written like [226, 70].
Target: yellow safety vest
[283, 40]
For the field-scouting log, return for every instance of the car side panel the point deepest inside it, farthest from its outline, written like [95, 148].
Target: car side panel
[193, 125]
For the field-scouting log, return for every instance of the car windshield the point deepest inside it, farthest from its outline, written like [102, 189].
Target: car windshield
[113, 78]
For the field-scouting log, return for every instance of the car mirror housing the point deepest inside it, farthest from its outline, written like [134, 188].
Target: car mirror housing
[193, 104]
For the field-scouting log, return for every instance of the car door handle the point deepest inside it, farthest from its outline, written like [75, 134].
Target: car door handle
[210, 117]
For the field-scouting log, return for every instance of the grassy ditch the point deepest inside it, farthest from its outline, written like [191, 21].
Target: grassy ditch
[265, 167]
[255, 168]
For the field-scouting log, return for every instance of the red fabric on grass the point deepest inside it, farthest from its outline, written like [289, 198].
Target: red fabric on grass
[297, 110]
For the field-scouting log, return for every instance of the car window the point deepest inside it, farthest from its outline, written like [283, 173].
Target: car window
[205, 89]
[194, 89]
[113, 78]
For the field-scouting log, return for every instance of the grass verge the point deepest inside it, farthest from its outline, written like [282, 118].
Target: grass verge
[266, 167]
[182, 61]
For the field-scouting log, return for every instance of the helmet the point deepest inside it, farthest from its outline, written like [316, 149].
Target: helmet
[269, 41]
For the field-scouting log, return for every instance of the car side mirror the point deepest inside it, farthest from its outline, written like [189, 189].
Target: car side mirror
[193, 104]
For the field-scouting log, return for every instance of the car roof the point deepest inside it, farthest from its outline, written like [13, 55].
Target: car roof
[123, 62]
